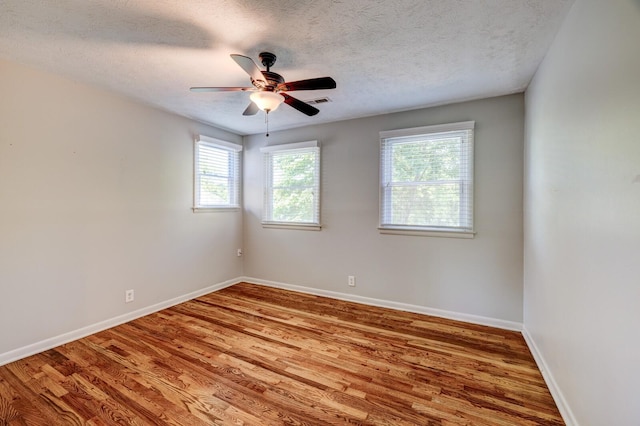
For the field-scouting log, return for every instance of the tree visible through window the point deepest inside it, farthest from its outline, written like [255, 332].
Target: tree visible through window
[427, 178]
[217, 174]
[292, 184]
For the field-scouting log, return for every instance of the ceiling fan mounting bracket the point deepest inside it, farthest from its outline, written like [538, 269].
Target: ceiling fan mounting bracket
[267, 59]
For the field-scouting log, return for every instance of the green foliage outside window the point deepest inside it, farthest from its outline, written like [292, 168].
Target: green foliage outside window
[214, 175]
[293, 187]
[426, 184]
[213, 190]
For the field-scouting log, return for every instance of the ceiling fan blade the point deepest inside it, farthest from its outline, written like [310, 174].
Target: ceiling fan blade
[303, 107]
[310, 84]
[249, 66]
[252, 109]
[221, 89]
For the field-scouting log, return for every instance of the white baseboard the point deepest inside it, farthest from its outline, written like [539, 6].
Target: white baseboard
[556, 393]
[61, 339]
[52, 342]
[474, 319]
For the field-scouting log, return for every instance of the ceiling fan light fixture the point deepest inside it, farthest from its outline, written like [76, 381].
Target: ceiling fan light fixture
[267, 101]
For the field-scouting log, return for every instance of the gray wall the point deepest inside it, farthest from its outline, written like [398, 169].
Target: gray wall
[582, 210]
[95, 197]
[482, 276]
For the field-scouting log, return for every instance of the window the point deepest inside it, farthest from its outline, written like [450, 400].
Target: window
[292, 185]
[217, 174]
[426, 180]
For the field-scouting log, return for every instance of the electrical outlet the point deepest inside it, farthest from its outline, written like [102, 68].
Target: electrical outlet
[239, 252]
[128, 296]
[351, 281]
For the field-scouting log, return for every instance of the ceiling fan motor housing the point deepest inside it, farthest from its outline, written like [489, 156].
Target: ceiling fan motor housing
[273, 79]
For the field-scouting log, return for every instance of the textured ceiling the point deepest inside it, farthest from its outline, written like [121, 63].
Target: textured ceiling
[385, 55]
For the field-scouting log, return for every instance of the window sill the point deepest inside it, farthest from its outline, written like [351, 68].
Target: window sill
[214, 209]
[428, 233]
[296, 226]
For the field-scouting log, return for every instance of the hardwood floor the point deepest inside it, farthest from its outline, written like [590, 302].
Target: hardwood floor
[259, 356]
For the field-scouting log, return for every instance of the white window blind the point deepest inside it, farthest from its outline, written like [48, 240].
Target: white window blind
[426, 178]
[217, 174]
[292, 184]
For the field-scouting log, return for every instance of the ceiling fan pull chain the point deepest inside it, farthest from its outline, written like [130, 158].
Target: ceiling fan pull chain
[266, 120]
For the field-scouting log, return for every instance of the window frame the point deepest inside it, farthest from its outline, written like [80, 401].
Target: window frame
[466, 179]
[234, 175]
[267, 205]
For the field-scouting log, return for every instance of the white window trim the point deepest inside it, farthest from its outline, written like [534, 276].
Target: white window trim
[430, 231]
[449, 233]
[302, 226]
[223, 145]
[290, 146]
[292, 225]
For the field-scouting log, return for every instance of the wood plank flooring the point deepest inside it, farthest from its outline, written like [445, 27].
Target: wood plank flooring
[251, 355]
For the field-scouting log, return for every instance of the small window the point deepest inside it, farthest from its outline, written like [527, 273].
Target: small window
[426, 180]
[217, 174]
[292, 186]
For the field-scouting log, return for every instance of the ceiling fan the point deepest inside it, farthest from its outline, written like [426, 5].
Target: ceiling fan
[269, 89]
